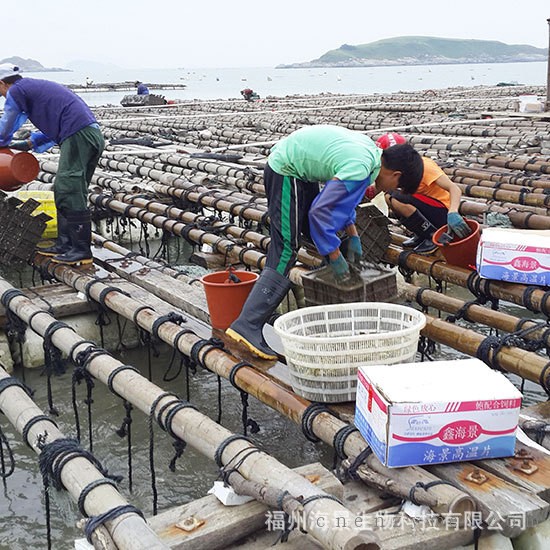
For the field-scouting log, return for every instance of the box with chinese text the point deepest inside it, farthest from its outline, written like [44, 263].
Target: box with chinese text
[435, 412]
[515, 255]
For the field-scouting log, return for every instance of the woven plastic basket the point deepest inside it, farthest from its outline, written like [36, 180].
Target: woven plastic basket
[324, 345]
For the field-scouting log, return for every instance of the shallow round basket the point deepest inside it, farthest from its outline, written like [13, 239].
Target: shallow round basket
[324, 345]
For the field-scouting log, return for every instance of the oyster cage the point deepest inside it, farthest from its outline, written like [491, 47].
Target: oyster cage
[373, 230]
[19, 229]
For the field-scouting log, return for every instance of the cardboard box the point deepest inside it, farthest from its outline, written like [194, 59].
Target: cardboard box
[436, 412]
[514, 255]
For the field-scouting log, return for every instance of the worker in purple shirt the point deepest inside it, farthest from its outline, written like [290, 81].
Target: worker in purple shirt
[141, 88]
[61, 118]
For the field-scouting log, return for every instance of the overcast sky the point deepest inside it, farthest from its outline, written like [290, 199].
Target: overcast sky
[239, 33]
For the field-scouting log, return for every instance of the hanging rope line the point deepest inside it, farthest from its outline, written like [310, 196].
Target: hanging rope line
[247, 422]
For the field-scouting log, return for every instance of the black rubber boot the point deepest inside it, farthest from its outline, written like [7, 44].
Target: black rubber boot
[266, 295]
[423, 229]
[62, 242]
[412, 242]
[79, 224]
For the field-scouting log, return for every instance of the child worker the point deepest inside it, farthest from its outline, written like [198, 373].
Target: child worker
[426, 207]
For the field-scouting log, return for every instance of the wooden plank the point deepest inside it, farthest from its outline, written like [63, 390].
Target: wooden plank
[535, 421]
[497, 499]
[518, 470]
[220, 525]
[62, 300]
[187, 297]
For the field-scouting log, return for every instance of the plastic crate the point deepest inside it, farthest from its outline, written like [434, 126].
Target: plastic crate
[373, 284]
[325, 345]
[20, 228]
[373, 230]
[46, 204]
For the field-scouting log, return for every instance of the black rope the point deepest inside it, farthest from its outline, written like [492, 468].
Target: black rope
[462, 312]
[247, 422]
[54, 364]
[26, 428]
[171, 317]
[5, 444]
[80, 374]
[313, 498]
[232, 466]
[194, 354]
[339, 442]
[88, 489]
[402, 260]
[358, 461]
[53, 457]
[95, 522]
[426, 487]
[223, 445]
[10, 381]
[308, 416]
[125, 429]
[544, 379]
[178, 444]
[151, 417]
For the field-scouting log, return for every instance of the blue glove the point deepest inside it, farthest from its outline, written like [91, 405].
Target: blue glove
[340, 269]
[457, 225]
[21, 145]
[354, 252]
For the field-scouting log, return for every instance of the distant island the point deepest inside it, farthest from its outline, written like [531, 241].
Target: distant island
[423, 50]
[31, 65]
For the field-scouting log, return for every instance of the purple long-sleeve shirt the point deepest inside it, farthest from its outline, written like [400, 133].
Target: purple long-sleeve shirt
[55, 110]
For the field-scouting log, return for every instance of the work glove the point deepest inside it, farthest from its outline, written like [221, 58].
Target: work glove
[21, 145]
[340, 269]
[354, 252]
[370, 193]
[456, 224]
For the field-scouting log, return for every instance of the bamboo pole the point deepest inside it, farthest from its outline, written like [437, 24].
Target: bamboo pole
[188, 424]
[128, 531]
[221, 244]
[475, 313]
[325, 426]
[533, 298]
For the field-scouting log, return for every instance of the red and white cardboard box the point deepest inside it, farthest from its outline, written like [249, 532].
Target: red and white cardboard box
[514, 255]
[436, 412]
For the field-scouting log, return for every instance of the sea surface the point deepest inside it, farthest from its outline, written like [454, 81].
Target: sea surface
[267, 81]
[22, 520]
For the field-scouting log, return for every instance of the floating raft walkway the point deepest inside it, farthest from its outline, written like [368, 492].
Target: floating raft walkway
[193, 174]
[127, 86]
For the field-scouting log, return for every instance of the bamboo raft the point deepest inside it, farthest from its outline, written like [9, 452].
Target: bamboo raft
[200, 180]
[127, 86]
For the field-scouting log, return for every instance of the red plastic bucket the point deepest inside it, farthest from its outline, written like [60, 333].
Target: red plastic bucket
[460, 252]
[225, 298]
[16, 169]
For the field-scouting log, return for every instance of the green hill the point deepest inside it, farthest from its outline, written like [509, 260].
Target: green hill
[29, 65]
[421, 50]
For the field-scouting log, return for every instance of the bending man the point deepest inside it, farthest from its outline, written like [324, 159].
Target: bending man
[347, 162]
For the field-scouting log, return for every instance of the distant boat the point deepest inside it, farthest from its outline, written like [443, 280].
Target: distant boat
[243, 79]
[269, 79]
[338, 78]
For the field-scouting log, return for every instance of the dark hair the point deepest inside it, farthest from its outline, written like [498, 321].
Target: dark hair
[12, 79]
[404, 158]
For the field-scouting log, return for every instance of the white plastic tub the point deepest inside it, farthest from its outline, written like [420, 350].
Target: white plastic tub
[324, 345]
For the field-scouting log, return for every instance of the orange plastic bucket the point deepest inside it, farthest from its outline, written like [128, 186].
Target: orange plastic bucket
[16, 169]
[225, 298]
[460, 252]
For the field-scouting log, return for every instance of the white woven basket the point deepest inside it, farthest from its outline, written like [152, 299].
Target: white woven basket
[324, 345]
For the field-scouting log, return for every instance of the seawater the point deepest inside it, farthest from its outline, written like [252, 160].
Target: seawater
[226, 83]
